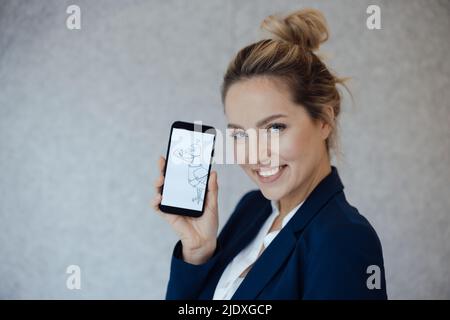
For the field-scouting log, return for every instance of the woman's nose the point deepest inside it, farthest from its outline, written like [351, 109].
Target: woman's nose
[264, 152]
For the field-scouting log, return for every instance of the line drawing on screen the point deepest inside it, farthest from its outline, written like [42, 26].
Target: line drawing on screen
[197, 173]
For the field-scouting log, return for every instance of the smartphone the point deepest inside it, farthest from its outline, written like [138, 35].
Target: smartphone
[188, 165]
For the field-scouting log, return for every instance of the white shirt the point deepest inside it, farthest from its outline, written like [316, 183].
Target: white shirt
[231, 279]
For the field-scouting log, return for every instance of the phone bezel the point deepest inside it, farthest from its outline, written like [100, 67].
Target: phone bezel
[188, 126]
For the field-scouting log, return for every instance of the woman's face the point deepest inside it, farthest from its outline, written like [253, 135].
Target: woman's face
[302, 149]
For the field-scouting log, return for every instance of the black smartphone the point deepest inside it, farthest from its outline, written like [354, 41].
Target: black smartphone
[188, 165]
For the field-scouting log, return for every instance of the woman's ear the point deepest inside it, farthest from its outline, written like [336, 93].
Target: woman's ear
[327, 125]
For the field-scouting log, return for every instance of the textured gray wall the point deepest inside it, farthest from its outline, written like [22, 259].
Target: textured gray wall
[85, 114]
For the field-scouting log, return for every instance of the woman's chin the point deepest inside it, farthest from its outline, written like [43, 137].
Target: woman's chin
[271, 194]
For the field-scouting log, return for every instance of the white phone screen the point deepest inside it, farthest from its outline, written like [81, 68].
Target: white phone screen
[187, 169]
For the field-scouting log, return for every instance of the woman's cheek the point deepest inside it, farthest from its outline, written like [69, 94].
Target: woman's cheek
[290, 148]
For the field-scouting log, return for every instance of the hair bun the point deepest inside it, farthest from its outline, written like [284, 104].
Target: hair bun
[307, 28]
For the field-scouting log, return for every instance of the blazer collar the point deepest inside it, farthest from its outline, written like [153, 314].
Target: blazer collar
[281, 247]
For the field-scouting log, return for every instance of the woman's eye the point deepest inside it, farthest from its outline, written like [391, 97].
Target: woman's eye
[238, 135]
[276, 127]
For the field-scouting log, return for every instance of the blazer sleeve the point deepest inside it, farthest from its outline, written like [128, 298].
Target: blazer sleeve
[187, 280]
[339, 267]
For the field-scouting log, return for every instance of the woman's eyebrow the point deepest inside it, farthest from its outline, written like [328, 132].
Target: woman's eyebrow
[260, 123]
[234, 126]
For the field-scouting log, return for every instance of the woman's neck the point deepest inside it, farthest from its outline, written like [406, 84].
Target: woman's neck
[287, 203]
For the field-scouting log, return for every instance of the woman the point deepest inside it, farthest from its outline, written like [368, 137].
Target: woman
[296, 237]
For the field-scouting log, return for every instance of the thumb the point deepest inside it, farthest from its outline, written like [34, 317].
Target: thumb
[213, 187]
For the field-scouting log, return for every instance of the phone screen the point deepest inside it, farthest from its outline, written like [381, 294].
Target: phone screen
[187, 169]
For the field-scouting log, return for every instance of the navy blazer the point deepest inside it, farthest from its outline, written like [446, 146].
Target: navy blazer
[324, 252]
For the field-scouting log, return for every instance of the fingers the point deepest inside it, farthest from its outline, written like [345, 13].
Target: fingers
[212, 185]
[155, 202]
[160, 180]
[158, 184]
[212, 194]
[161, 164]
[170, 218]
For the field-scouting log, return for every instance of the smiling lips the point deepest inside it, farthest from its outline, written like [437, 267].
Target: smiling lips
[269, 174]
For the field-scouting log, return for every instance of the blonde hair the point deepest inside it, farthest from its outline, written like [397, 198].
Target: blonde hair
[288, 57]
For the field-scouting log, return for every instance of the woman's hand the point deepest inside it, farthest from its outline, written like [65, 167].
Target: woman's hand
[198, 235]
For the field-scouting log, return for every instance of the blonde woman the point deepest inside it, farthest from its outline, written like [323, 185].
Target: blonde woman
[296, 236]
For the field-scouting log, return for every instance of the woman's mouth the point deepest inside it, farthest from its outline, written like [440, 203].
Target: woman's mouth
[270, 174]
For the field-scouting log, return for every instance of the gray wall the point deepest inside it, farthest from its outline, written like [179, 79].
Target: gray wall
[85, 114]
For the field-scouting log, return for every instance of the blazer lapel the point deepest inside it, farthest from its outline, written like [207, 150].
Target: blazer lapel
[266, 265]
[273, 257]
[250, 228]
[249, 231]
